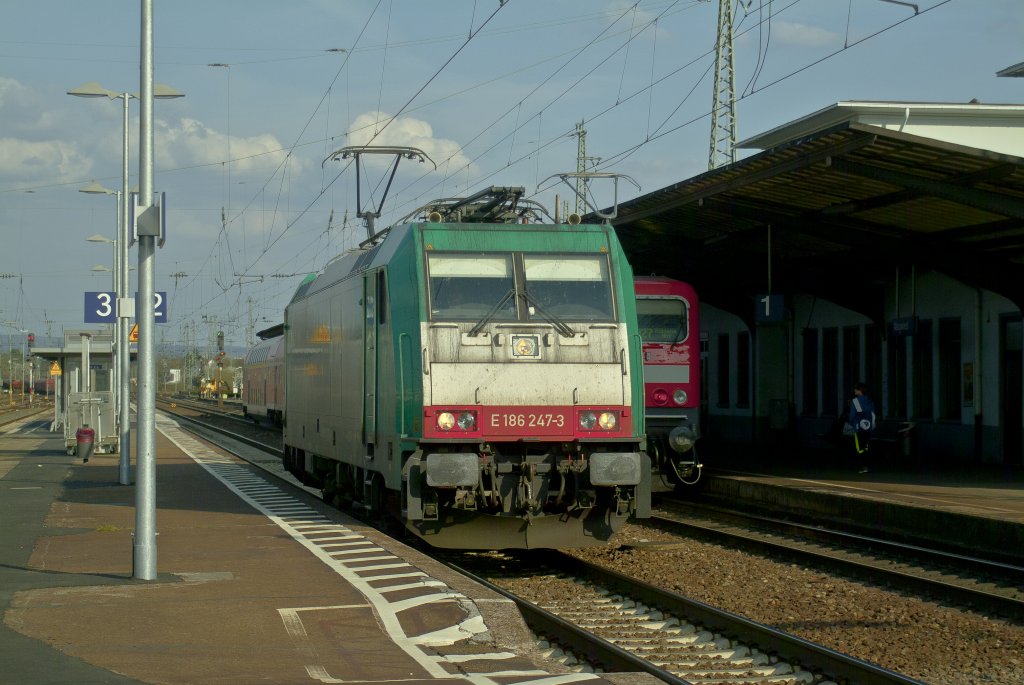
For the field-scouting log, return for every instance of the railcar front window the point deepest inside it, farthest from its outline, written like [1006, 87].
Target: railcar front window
[662, 320]
[569, 287]
[468, 286]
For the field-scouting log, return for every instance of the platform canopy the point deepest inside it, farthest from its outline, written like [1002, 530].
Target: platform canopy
[835, 214]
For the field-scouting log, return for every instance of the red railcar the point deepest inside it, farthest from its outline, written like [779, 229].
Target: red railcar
[668, 313]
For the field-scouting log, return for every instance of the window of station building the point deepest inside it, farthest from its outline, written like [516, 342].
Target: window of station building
[897, 349]
[949, 368]
[924, 371]
[705, 348]
[809, 367]
[743, 369]
[873, 362]
[830, 401]
[851, 362]
[723, 370]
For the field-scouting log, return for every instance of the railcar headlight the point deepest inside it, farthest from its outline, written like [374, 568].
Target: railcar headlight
[679, 396]
[445, 420]
[660, 396]
[588, 420]
[467, 421]
[608, 421]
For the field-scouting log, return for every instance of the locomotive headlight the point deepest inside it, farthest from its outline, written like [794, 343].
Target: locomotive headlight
[608, 421]
[679, 396]
[445, 420]
[603, 420]
[660, 396]
[467, 421]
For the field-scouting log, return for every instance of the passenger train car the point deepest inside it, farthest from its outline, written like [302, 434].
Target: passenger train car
[476, 375]
[668, 314]
[263, 378]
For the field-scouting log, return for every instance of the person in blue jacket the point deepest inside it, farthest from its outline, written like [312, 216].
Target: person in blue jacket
[863, 419]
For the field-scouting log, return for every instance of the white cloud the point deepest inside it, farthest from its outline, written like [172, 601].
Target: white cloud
[21, 109]
[50, 160]
[189, 141]
[11, 91]
[801, 35]
[406, 132]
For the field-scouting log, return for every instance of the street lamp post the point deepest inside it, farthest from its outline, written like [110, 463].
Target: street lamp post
[124, 302]
[120, 281]
[10, 365]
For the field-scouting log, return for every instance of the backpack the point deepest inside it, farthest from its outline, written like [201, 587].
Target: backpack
[865, 416]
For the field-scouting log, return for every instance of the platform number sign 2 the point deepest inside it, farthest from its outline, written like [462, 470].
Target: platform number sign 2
[101, 307]
[159, 306]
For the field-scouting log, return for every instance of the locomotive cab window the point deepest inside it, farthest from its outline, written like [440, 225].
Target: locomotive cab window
[468, 286]
[519, 287]
[662, 320]
[571, 287]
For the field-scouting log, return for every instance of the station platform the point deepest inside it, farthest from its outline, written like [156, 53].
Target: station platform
[958, 506]
[258, 582]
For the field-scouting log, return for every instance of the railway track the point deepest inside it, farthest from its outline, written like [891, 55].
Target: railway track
[672, 637]
[984, 585]
[616, 622]
[11, 414]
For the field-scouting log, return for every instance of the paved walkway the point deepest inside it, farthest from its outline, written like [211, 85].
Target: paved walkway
[258, 583]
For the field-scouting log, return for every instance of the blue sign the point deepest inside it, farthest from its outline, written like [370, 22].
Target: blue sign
[100, 307]
[159, 306]
[905, 326]
[770, 309]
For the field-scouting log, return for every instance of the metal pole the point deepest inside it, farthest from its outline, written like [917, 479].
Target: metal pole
[124, 359]
[24, 353]
[144, 557]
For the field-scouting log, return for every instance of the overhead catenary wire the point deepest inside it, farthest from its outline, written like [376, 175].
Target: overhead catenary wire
[658, 133]
[473, 34]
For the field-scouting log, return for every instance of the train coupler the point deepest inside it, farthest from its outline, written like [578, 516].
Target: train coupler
[623, 504]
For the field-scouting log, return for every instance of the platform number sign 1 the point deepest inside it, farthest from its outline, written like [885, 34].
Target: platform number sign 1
[769, 309]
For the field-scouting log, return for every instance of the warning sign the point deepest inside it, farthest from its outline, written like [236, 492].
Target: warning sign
[134, 335]
[55, 369]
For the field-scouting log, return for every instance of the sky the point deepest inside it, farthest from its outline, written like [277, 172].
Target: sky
[492, 92]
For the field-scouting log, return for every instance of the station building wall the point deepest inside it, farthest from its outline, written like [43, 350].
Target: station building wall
[948, 360]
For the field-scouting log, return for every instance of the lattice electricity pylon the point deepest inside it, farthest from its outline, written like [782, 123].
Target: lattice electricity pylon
[723, 106]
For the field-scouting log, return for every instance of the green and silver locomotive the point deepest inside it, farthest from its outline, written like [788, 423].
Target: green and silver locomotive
[475, 374]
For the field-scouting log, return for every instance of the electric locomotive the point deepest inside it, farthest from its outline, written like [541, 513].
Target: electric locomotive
[669, 319]
[475, 374]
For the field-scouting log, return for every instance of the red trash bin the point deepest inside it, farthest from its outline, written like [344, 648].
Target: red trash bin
[86, 439]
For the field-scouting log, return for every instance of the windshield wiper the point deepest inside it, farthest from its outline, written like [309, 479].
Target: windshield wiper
[560, 326]
[475, 330]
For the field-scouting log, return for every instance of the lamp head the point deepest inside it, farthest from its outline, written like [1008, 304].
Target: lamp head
[96, 189]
